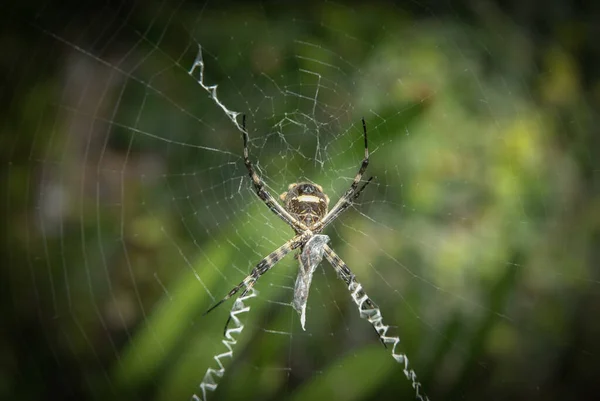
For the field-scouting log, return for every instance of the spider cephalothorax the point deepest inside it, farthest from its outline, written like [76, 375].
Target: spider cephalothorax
[306, 202]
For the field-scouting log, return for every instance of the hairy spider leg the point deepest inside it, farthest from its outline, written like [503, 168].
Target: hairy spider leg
[262, 192]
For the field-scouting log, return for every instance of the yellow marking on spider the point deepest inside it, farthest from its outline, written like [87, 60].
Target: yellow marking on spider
[309, 198]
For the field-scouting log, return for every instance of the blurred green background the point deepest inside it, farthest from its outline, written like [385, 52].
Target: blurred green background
[128, 211]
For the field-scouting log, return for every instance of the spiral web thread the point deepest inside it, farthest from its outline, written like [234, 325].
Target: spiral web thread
[211, 377]
[369, 311]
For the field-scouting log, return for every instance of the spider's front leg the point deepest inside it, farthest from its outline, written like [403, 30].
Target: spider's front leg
[261, 191]
[352, 193]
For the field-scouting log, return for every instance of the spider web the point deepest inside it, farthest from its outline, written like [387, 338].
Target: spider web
[130, 210]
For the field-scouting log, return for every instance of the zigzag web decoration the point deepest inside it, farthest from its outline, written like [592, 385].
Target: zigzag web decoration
[210, 380]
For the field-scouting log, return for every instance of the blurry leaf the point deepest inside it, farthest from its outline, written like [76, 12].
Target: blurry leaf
[349, 378]
[162, 331]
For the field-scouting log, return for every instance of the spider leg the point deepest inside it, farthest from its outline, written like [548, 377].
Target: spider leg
[352, 193]
[261, 268]
[343, 204]
[371, 312]
[343, 272]
[262, 192]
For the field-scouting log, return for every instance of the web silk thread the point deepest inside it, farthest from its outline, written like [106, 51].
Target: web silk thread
[212, 376]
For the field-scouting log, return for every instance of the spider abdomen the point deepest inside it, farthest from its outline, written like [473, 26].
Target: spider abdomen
[306, 202]
[307, 208]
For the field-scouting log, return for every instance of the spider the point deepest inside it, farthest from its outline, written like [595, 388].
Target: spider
[305, 210]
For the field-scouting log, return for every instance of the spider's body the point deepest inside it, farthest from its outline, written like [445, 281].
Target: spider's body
[306, 202]
[306, 210]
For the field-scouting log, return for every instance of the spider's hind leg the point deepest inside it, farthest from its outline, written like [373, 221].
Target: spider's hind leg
[261, 268]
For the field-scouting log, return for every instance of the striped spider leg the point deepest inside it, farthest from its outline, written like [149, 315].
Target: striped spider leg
[344, 272]
[352, 193]
[261, 268]
[370, 311]
[262, 192]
